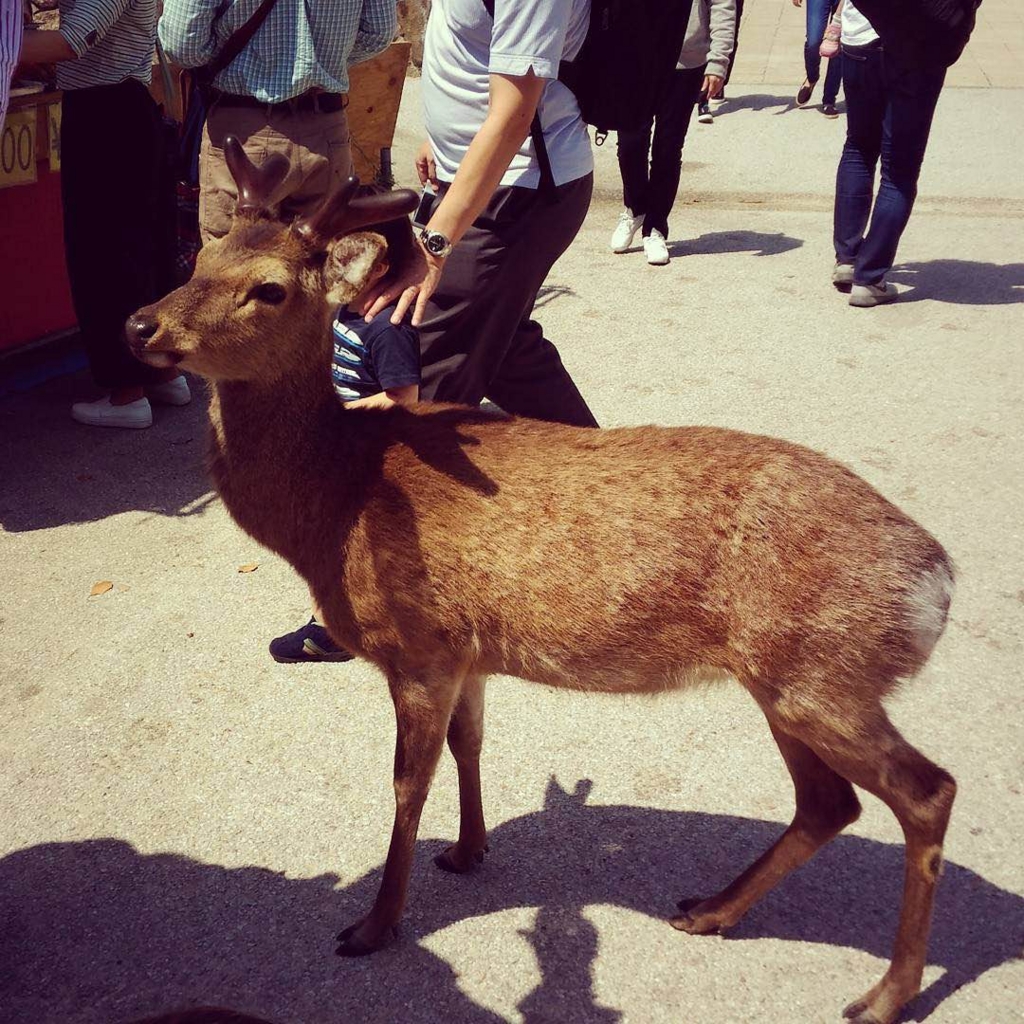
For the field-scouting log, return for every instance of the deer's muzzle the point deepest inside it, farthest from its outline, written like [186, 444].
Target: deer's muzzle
[140, 329]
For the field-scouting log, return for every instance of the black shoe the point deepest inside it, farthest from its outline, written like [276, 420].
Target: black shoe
[829, 110]
[804, 95]
[311, 643]
[704, 115]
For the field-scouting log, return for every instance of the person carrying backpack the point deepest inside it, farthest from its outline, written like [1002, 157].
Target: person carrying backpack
[494, 233]
[648, 192]
[895, 58]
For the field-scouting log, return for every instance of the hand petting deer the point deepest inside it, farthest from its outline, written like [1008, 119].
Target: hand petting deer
[453, 545]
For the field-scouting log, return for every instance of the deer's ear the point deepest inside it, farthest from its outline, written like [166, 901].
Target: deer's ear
[350, 262]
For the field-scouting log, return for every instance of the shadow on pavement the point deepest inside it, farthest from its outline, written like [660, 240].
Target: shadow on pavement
[962, 282]
[757, 101]
[56, 471]
[757, 243]
[96, 932]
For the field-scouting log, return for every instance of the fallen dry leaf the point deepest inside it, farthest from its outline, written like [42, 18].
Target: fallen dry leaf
[101, 588]
[249, 567]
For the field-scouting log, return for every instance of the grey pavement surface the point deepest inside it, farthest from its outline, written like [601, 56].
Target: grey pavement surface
[182, 821]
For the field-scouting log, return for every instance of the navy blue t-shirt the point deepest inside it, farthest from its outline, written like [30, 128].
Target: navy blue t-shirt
[372, 357]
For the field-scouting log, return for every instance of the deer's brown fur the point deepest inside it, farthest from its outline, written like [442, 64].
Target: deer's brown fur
[446, 545]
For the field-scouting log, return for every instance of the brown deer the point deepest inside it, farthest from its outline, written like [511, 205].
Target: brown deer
[446, 545]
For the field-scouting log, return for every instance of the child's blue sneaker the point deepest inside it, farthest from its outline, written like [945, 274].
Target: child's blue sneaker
[311, 643]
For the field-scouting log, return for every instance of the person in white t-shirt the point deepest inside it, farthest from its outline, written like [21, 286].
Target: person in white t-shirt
[890, 100]
[499, 223]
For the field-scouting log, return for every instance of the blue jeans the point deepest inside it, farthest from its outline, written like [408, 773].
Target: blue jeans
[818, 14]
[889, 112]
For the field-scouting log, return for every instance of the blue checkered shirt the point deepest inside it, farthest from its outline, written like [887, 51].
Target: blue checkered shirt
[302, 45]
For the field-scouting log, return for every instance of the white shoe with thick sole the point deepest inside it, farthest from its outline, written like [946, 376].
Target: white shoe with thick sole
[171, 392]
[135, 415]
[625, 230]
[655, 249]
[842, 276]
[866, 295]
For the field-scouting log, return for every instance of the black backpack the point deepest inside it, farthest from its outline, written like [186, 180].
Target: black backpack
[631, 49]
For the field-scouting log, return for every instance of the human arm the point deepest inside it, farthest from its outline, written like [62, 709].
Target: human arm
[388, 399]
[46, 47]
[378, 24]
[722, 29]
[81, 28]
[186, 31]
[512, 103]
[392, 353]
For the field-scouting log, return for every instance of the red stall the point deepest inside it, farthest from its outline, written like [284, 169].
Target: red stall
[35, 301]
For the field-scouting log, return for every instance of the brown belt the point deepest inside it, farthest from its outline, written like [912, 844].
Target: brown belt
[307, 103]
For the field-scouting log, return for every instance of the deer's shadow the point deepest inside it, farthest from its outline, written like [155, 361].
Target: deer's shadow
[96, 932]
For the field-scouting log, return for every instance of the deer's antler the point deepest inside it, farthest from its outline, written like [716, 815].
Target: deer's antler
[340, 213]
[255, 184]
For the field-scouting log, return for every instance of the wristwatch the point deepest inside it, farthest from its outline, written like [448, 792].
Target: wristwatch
[435, 243]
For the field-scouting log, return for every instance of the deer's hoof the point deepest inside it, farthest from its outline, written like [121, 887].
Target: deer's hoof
[362, 938]
[695, 922]
[859, 1013]
[458, 861]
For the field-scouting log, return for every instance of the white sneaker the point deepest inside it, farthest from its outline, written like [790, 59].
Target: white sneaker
[171, 392]
[842, 276]
[655, 249]
[628, 226]
[867, 295]
[137, 414]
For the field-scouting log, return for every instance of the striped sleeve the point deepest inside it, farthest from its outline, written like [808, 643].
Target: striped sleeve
[10, 47]
[89, 21]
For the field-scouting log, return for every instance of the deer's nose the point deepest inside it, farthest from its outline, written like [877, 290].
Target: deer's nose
[140, 328]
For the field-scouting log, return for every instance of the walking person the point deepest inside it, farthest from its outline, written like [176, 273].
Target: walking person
[500, 222]
[894, 66]
[649, 189]
[704, 113]
[284, 93]
[110, 167]
[819, 13]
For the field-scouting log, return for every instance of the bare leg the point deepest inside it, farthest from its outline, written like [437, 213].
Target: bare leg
[465, 737]
[825, 805]
[422, 712]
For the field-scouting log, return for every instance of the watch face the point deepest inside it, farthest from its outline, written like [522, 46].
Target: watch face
[436, 243]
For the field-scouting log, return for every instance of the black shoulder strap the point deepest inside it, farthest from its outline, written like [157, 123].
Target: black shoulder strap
[238, 39]
[548, 189]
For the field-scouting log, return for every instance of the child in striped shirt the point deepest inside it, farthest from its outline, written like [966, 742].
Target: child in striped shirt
[375, 365]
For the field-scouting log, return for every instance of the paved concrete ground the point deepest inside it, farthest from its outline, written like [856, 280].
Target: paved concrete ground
[184, 821]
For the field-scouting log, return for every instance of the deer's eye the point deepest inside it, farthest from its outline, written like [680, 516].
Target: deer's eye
[270, 293]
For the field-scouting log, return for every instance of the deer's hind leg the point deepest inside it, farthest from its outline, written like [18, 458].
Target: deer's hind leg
[465, 738]
[920, 794]
[825, 805]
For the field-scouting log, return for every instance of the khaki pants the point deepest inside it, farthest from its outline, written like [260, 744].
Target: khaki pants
[317, 145]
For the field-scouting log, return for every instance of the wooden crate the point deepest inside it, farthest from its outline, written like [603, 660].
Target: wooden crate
[375, 94]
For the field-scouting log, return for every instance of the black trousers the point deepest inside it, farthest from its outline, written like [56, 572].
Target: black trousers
[651, 191]
[110, 173]
[478, 339]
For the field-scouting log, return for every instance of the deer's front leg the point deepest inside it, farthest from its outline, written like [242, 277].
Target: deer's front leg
[422, 713]
[465, 737]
